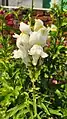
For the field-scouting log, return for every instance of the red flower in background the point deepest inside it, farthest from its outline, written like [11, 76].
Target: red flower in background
[9, 19]
[9, 16]
[2, 12]
[10, 22]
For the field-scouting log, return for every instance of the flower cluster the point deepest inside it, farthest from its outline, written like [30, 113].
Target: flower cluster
[31, 43]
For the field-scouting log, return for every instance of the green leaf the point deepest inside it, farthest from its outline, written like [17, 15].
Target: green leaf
[58, 93]
[60, 47]
[38, 116]
[22, 113]
[55, 55]
[14, 110]
[64, 24]
[64, 112]
[55, 112]
[45, 109]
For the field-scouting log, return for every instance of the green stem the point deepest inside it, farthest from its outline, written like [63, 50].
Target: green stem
[34, 100]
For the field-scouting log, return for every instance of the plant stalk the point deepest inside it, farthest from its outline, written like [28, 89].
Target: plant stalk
[34, 100]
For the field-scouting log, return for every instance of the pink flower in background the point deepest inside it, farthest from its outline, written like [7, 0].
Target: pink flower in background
[54, 81]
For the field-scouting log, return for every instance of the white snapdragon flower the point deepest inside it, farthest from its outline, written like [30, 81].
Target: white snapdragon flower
[24, 28]
[40, 37]
[22, 43]
[31, 43]
[23, 40]
[36, 51]
[38, 24]
[23, 54]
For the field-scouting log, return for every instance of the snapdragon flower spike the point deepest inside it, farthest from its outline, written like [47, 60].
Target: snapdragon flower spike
[31, 43]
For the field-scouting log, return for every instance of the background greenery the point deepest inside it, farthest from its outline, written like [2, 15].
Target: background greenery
[50, 91]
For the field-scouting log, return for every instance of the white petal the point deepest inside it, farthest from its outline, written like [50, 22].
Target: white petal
[23, 55]
[24, 52]
[17, 54]
[44, 55]
[16, 35]
[25, 28]
[26, 61]
[33, 38]
[39, 37]
[35, 59]
[36, 51]
[23, 40]
[38, 24]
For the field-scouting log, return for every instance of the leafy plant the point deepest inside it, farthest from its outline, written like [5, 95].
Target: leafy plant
[40, 91]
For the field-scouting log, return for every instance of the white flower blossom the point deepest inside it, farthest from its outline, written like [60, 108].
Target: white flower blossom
[36, 51]
[30, 46]
[25, 28]
[23, 40]
[38, 24]
[40, 37]
[22, 54]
